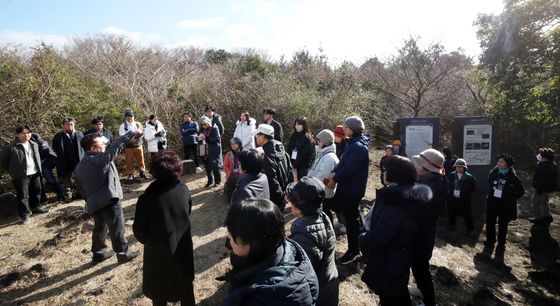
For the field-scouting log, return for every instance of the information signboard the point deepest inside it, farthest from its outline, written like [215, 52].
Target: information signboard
[477, 144]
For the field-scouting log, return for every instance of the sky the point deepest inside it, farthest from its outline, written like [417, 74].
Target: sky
[345, 30]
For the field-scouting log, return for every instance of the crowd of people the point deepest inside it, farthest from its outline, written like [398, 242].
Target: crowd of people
[315, 178]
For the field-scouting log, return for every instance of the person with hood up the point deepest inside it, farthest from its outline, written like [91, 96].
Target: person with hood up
[351, 175]
[504, 190]
[155, 135]
[313, 231]
[545, 182]
[245, 130]
[461, 186]
[270, 269]
[276, 164]
[390, 228]
[325, 162]
[301, 149]
[429, 167]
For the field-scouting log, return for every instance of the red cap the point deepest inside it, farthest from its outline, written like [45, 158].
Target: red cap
[339, 131]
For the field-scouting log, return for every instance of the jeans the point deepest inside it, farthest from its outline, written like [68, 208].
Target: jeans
[52, 181]
[28, 192]
[109, 219]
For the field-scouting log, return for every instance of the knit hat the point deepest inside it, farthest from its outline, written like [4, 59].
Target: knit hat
[128, 112]
[355, 123]
[389, 147]
[430, 159]
[339, 131]
[265, 129]
[307, 194]
[326, 136]
[397, 142]
[461, 163]
[205, 120]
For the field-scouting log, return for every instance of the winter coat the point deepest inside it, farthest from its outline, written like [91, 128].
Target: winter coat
[302, 147]
[389, 237]
[546, 177]
[156, 137]
[276, 166]
[448, 164]
[214, 145]
[425, 238]
[251, 185]
[162, 224]
[512, 190]
[13, 159]
[466, 186]
[189, 130]
[231, 164]
[278, 131]
[48, 156]
[97, 176]
[62, 168]
[383, 168]
[315, 235]
[104, 133]
[286, 278]
[351, 173]
[245, 132]
[133, 125]
[217, 121]
[325, 162]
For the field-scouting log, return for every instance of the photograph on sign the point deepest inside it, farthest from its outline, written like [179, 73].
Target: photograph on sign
[477, 144]
[418, 138]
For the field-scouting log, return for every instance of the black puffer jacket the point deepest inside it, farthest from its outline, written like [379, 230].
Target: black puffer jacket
[512, 190]
[388, 240]
[287, 278]
[276, 166]
[425, 238]
[546, 177]
[316, 236]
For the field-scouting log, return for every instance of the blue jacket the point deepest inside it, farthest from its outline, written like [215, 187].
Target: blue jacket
[189, 131]
[287, 278]
[351, 173]
[389, 238]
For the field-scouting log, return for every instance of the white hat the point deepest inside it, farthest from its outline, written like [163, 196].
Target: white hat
[205, 120]
[430, 159]
[265, 129]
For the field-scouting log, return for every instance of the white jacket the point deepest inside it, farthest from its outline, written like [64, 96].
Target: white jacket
[325, 162]
[150, 136]
[245, 133]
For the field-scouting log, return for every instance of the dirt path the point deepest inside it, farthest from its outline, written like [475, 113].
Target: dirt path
[49, 261]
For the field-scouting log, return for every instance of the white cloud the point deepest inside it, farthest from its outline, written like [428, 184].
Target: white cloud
[136, 36]
[213, 22]
[30, 39]
[193, 41]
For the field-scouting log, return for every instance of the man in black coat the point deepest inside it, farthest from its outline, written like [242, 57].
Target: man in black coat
[97, 127]
[276, 164]
[429, 166]
[268, 116]
[215, 118]
[66, 145]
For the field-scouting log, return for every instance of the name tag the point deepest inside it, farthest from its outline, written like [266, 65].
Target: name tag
[456, 193]
[294, 154]
[498, 193]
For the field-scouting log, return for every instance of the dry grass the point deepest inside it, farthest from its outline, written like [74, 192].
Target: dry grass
[48, 261]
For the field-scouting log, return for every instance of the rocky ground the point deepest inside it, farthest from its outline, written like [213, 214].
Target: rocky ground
[48, 262]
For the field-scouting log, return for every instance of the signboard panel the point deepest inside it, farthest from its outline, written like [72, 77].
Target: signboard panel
[477, 144]
[418, 138]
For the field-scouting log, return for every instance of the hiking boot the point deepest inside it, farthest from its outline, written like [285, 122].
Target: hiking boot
[25, 220]
[143, 175]
[349, 257]
[99, 257]
[40, 210]
[126, 258]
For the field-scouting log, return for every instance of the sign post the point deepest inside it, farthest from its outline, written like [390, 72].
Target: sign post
[419, 134]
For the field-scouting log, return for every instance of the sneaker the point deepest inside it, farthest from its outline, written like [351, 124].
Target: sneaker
[25, 220]
[143, 175]
[208, 184]
[126, 258]
[99, 257]
[40, 210]
[217, 185]
[349, 257]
